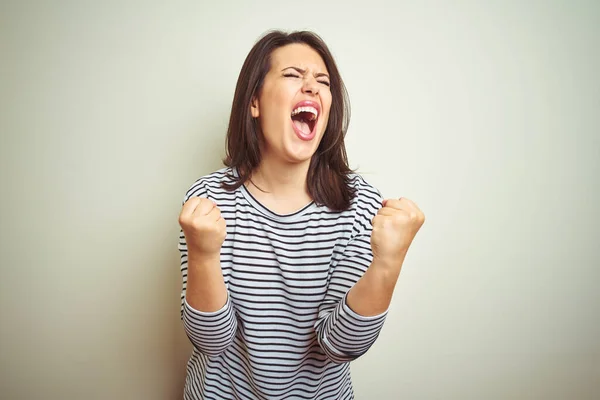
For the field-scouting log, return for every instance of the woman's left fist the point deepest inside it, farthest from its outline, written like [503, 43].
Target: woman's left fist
[394, 228]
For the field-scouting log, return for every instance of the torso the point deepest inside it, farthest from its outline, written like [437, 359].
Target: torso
[277, 261]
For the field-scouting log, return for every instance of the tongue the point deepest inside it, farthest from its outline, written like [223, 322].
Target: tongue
[302, 126]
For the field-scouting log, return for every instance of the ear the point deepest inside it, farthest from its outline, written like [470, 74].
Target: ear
[254, 108]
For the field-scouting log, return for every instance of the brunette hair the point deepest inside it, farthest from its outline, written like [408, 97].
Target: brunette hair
[328, 177]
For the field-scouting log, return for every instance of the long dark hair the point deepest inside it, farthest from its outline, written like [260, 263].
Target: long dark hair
[328, 174]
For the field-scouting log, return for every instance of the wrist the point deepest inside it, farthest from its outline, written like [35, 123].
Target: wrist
[202, 259]
[389, 263]
[382, 275]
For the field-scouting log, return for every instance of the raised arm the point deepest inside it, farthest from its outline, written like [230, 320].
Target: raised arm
[362, 282]
[394, 228]
[207, 313]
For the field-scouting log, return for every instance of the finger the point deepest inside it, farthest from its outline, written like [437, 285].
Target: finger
[376, 220]
[413, 210]
[204, 207]
[189, 206]
[389, 211]
[222, 223]
[214, 214]
[402, 204]
[395, 203]
[410, 204]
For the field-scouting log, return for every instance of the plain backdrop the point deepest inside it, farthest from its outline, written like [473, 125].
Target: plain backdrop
[486, 113]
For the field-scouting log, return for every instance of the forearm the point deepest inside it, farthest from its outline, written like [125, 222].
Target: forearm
[208, 315]
[345, 335]
[206, 291]
[372, 294]
[348, 327]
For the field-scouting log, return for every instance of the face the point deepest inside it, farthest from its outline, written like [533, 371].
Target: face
[293, 105]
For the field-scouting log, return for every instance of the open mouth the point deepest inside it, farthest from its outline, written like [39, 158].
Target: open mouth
[304, 118]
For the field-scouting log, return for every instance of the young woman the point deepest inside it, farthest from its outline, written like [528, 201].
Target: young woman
[289, 259]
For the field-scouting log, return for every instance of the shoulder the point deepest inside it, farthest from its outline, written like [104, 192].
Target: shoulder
[366, 195]
[366, 202]
[210, 183]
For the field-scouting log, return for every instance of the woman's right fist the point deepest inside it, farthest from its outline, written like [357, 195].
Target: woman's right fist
[203, 227]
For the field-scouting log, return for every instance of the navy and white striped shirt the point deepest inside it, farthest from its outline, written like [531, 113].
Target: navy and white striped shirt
[285, 331]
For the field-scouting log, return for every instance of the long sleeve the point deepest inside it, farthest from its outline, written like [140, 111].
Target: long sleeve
[210, 332]
[343, 334]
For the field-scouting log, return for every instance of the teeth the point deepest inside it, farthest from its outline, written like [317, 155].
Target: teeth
[311, 110]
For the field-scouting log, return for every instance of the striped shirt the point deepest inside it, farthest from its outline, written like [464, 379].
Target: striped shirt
[285, 331]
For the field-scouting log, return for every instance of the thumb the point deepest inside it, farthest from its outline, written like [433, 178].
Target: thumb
[204, 207]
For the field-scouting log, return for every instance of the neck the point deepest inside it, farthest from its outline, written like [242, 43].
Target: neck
[280, 179]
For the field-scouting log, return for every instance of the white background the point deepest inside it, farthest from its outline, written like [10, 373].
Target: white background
[486, 113]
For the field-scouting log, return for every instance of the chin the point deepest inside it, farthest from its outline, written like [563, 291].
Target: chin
[295, 158]
[303, 151]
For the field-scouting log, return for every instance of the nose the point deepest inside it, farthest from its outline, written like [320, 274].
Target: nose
[310, 86]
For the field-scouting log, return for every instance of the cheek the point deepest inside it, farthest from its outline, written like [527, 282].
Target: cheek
[327, 107]
[326, 101]
[278, 106]
[271, 114]
[325, 123]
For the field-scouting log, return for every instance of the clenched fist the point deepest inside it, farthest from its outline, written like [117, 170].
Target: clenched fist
[394, 228]
[203, 227]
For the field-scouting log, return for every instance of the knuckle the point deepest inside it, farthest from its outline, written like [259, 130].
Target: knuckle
[184, 220]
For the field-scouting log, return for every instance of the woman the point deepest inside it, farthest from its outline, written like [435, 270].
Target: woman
[289, 259]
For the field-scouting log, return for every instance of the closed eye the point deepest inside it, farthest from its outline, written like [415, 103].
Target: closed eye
[295, 75]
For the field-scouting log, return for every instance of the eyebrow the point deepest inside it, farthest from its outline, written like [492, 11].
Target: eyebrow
[303, 71]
